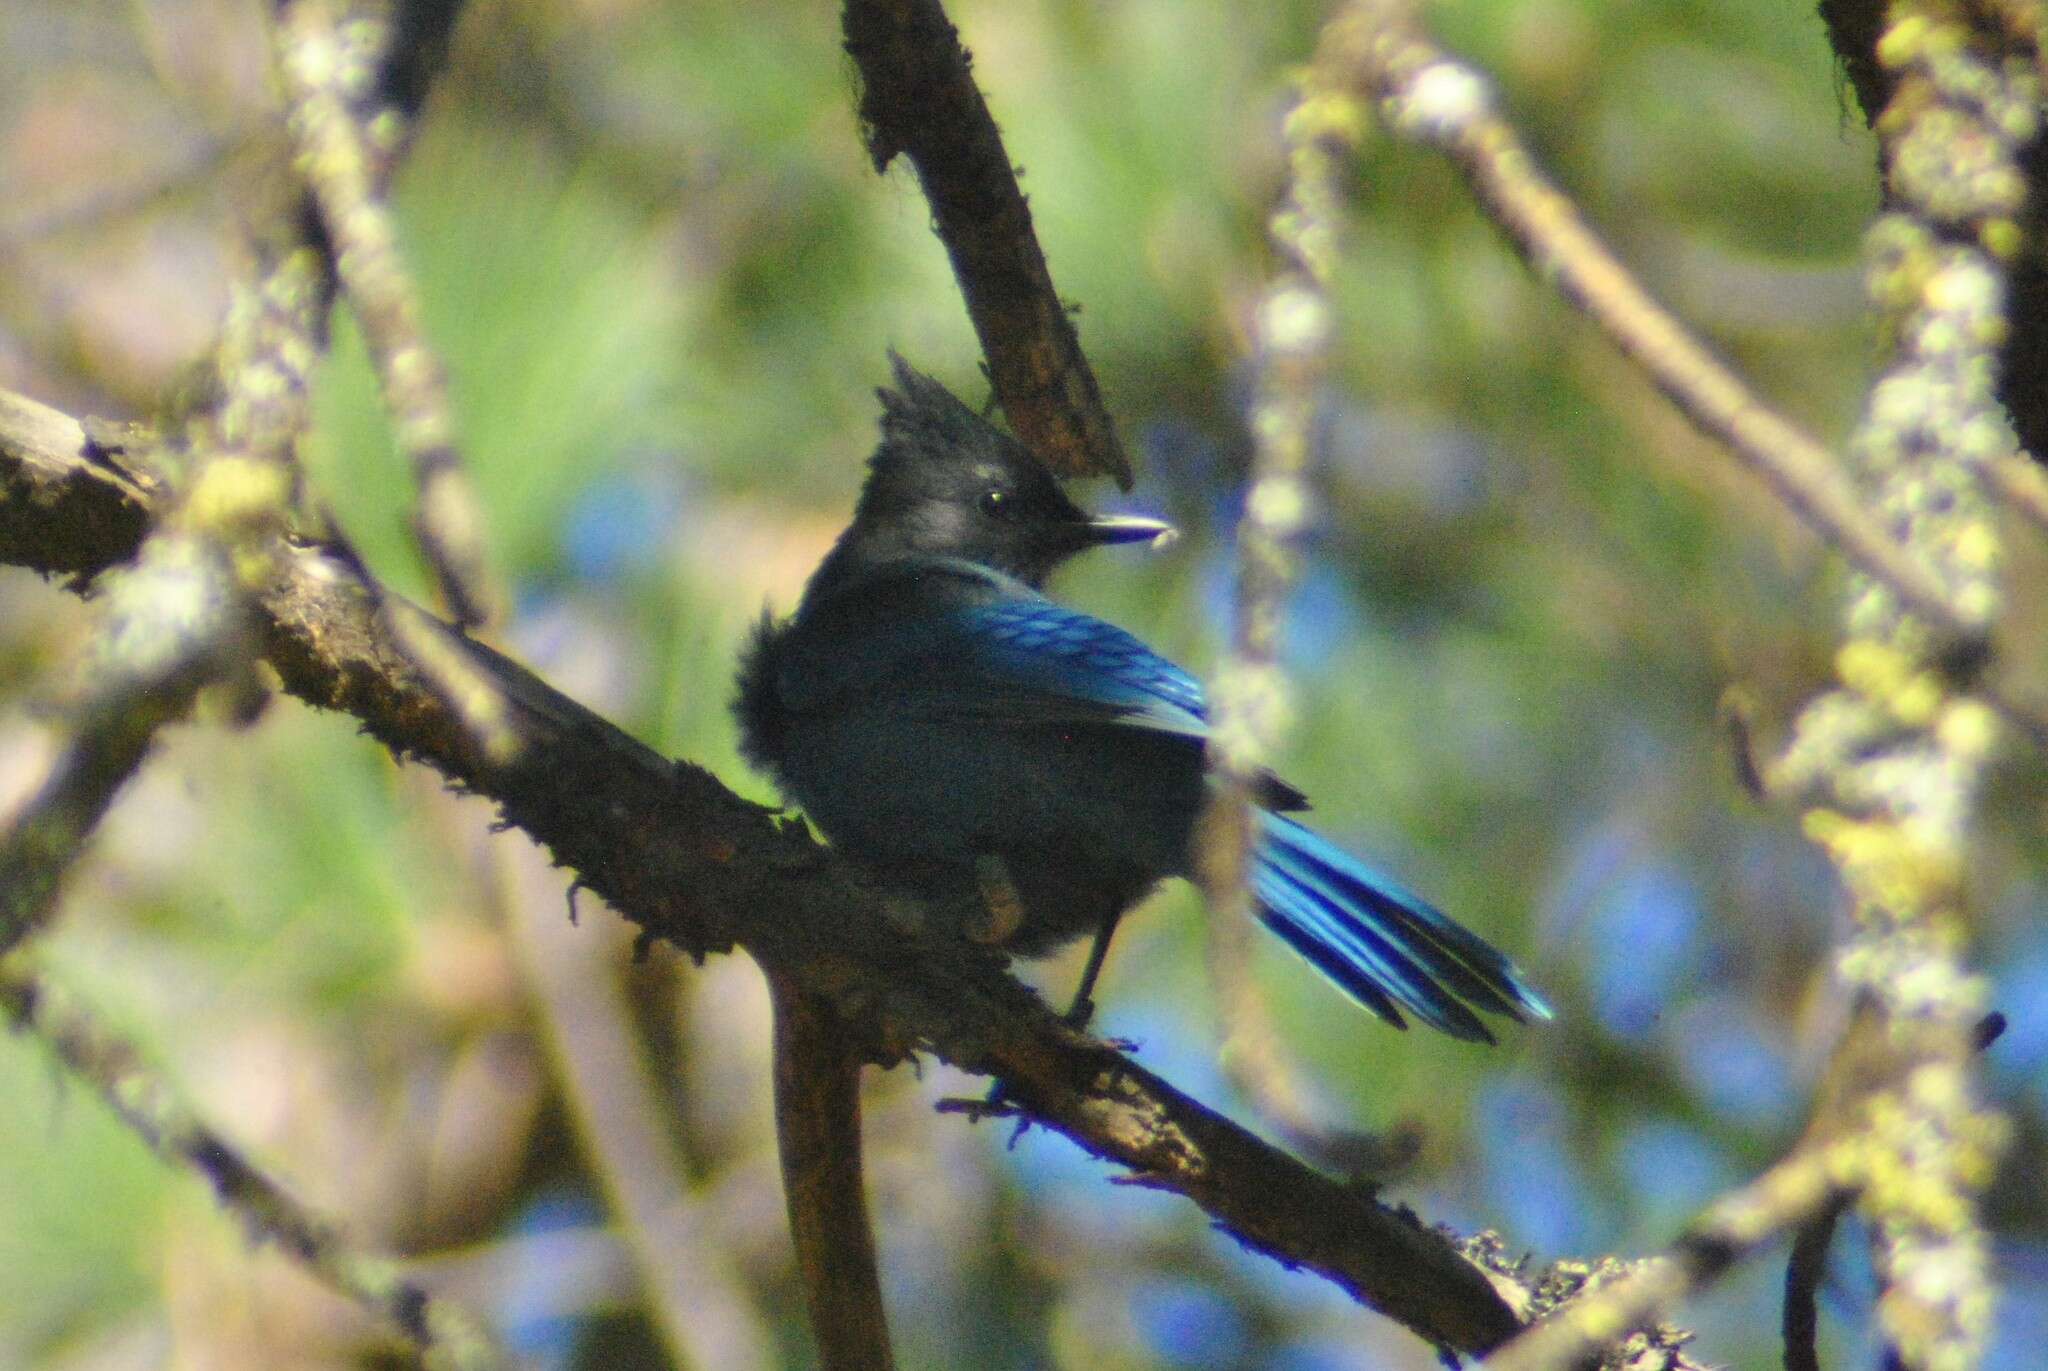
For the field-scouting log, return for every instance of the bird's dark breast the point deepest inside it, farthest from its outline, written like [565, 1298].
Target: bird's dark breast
[1081, 826]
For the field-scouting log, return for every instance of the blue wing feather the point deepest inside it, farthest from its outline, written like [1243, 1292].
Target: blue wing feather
[1074, 666]
[951, 638]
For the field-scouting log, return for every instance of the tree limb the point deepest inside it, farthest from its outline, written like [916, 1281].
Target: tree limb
[1854, 28]
[345, 174]
[920, 99]
[817, 1134]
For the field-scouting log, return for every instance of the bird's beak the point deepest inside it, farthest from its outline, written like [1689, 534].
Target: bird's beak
[1106, 529]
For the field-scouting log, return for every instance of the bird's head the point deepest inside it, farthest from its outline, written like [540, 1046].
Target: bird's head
[947, 483]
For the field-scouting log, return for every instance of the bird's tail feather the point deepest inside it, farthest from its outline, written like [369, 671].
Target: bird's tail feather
[1390, 949]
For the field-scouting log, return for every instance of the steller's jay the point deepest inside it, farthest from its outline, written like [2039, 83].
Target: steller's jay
[1034, 770]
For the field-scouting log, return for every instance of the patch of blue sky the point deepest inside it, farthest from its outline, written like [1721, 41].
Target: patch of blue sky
[620, 523]
[1540, 1193]
[543, 1341]
[1641, 934]
[1321, 1354]
[1189, 1323]
[1671, 1171]
[1736, 1064]
[2019, 1330]
[2018, 1061]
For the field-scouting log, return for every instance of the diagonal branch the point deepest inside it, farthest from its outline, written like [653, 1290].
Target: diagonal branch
[320, 68]
[694, 1299]
[921, 100]
[1854, 28]
[447, 1335]
[1736, 1225]
[1434, 99]
[172, 625]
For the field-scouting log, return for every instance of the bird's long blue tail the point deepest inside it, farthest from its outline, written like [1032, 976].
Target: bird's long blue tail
[1390, 949]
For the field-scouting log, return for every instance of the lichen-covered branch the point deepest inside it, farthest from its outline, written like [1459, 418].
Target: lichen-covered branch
[919, 98]
[171, 623]
[1888, 766]
[1627, 1301]
[176, 619]
[1892, 761]
[1291, 328]
[182, 533]
[450, 1339]
[2011, 29]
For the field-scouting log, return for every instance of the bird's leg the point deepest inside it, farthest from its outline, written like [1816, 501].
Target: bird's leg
[1079, 1012]
[1083, 1008]
[1002, 907]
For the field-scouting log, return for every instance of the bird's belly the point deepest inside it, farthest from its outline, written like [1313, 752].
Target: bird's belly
[1083, 818]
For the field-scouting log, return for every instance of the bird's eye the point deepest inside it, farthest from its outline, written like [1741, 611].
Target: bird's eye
[996, 504]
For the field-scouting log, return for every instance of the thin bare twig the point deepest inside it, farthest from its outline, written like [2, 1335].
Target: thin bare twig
[920, 99]
[448, 1336]
[323, 68]
[1375, 48]
[1804, 1271]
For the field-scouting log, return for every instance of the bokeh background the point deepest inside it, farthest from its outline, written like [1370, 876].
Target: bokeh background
[664, 275]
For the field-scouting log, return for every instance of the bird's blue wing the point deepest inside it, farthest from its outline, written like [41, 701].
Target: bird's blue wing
[948, 639]
[1034, 660]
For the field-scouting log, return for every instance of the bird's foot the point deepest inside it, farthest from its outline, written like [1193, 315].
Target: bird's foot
[1002, 908]
[994, 1105]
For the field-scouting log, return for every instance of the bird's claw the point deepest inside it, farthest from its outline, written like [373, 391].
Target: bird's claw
[1002, 908]
[994, 1105]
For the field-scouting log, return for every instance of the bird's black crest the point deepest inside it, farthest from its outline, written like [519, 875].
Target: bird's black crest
[921, 419]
